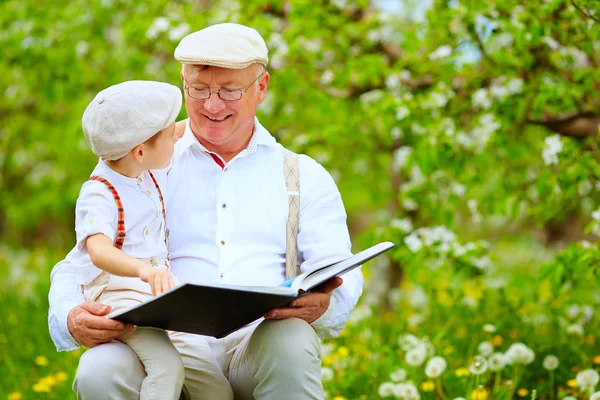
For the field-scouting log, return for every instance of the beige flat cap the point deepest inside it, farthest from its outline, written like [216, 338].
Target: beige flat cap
[232, 46]
[127, 114]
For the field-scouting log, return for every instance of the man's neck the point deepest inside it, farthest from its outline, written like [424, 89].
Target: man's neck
[225, 151]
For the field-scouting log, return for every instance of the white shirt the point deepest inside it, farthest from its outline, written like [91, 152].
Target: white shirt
[229, 225]
[96, 212]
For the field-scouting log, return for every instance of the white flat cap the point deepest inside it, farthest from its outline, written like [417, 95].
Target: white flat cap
[125, 115]
[230, 46]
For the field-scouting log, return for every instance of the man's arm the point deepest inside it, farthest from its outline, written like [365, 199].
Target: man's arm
[72, 320]
[323, 239]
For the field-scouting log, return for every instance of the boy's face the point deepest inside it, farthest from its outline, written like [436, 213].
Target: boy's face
[158, 153]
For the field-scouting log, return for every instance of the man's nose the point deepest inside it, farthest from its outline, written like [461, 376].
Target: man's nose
[214, 104]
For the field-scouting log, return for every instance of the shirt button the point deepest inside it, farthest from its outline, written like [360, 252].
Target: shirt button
[221, 275]
[139, 179]
[222, 243]
[224, 205]
[147, 231]
[149, 192]
[225, 169]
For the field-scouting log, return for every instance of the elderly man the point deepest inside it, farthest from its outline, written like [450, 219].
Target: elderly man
[228, 208]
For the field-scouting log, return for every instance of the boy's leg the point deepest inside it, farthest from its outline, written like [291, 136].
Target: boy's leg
[110, 371]
[280, 360]
[162, 362]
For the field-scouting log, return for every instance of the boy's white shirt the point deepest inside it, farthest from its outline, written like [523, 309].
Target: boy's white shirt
[252, 225]
[96, 212]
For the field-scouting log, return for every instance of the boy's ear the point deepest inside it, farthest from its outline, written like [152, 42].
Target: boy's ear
[138, 152]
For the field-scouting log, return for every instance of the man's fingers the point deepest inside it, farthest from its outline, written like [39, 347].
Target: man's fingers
[330, 285]
[102, 323]
[95, 308]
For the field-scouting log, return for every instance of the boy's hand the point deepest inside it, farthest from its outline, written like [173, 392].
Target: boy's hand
[160, 280]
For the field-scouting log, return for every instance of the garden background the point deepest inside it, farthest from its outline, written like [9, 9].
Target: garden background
[464, 131]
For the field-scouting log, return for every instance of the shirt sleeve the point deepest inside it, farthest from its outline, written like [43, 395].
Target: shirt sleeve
[95, 212]
[64, 295]
[323, 238]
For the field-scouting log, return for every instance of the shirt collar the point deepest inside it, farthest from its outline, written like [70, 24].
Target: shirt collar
[260, 137]
[114, 177]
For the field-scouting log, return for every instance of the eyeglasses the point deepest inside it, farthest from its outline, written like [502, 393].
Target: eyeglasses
[223, 93]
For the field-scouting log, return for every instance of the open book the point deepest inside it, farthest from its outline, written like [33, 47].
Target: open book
[215, 309]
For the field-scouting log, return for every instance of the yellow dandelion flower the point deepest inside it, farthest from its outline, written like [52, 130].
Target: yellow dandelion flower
[41, 388]
[339, 398]
[497, 341]
[389, 316]
[596, 359]
[590, 339]
[479, 394]
[448, 350]
[462, 372]
[49, 381]
[572, 383]
[328, 360]
[443, 298]
[343, 351]
[42, 361]
[472, 290]
[61, 376]
[15, 396]
[428, 386]
[522, 392]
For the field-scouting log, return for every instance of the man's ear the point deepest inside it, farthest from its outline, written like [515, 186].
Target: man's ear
[263, 83]
[138, 152]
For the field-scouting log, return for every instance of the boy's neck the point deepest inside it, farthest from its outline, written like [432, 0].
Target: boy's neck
[125, 167]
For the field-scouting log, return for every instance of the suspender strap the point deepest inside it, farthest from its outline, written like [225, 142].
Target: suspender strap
[120, 239]
[292, 183]
[160, 196]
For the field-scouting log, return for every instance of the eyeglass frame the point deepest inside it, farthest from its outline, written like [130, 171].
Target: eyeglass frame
[218, 91]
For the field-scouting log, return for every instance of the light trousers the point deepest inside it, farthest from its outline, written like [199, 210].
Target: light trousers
[275, 359]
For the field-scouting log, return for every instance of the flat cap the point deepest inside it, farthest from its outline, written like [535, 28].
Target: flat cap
[127, 114]
[232, 46]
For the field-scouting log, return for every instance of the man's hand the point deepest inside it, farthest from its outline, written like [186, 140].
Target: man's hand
[160, 280]
[309, 307]
[89, 327]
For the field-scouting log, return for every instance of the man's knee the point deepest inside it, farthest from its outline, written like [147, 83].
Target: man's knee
[291, 338]
[109, 371]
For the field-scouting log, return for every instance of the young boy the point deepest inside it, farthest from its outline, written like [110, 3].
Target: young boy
[123, 254]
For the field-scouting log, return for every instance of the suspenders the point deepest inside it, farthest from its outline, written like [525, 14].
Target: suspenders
[120, 239]
[292, 183]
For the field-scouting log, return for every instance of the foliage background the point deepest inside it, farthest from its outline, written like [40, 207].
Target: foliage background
[466, 132]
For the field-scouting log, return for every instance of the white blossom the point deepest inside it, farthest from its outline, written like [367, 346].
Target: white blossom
[481, 99]
[408, 342]
[404, 224]
[515, 86]
[386, 389]
[177, 33]
[551, 42]
[518, 353]
[327, 77]
[441, 52]
[551, 150]
[435, 367]
[550, 362]
[82, 48]
[401, 155]
[413, 242]
[398, 375]
[159, 25]
[595, 396]
[587, 379]
[326, 374]
[489, 328]
[575, 329]
[416, 356]
[485, 348]
[418, 298]
[407, 391]
[402, 112]
[478, 366]
[396, 132]
[496, 362]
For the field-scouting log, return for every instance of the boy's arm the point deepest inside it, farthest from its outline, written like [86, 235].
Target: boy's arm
[114, 261]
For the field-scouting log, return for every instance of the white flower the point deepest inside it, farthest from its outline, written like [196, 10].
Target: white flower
[518, 353]
[496, 362]
[408, 342]
[158, 26]
[481, 99]
[413, 242]
[82, 48]
[553, 44]
[570, 398]
[435, 367]
[416, 356]
[485, 348]
[478, 366]
[407, 391]
[327, 77]
[550, 362]
[575, 329]
[595, 396]
[418, 297]
[402, 112]
[459, 398]
[489, 328]
[573, 310]
[404, 224]
[326, 374]
[398, 375]
[409, 204]
[327, 349]
[515, 86]
[386, 389]
[587, 379]
[401, 156]
[396, 132]
[553, 147]
[440, 52]
[179, 32]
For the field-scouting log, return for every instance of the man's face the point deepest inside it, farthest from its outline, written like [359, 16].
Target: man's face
[224, 126]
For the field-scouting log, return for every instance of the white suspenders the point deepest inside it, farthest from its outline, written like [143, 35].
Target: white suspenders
[292, 183]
